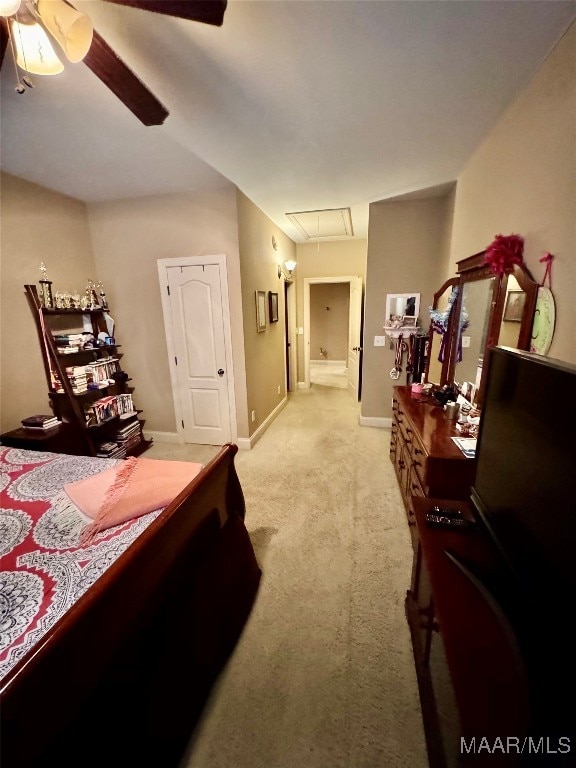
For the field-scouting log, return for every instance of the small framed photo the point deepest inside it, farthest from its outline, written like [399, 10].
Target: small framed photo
[514, 308]
[273, 306]
[260, 311]
[409, 321]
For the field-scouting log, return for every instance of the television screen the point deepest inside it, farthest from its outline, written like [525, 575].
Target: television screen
[524, 491]
[524, 495]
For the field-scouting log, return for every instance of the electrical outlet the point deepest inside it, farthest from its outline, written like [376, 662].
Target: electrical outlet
[379, 341]
[278, 388]
[253, 415]
[465, 341]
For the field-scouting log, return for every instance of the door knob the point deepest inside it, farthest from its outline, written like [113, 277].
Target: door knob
[220, 371]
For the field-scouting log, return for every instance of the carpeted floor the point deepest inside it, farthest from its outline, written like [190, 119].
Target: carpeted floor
[323, 675]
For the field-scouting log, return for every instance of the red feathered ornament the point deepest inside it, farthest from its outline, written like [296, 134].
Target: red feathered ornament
[504, 252]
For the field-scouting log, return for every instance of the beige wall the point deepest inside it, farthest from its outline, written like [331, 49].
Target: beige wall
[336, 258]
[37, 225]
[522, 180]
[407, 251]
[129, 237]
[329, 316]
[265, 351]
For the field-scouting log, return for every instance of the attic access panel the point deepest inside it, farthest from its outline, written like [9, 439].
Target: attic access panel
[330, 222]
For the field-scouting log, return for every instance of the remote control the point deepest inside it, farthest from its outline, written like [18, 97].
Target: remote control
[445, 512]
[449, 523]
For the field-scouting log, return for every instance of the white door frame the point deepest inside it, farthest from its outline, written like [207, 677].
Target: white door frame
[289, 288]
[308, 281]
[197, 261]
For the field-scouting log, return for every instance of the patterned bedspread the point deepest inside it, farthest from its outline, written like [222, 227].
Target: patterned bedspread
[43, 570]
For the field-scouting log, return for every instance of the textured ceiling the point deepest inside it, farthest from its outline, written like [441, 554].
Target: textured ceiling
[303, 104]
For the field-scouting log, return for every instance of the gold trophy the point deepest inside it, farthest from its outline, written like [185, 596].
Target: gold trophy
[46, 298]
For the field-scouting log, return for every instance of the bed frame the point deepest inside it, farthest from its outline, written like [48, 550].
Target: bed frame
[122, 678]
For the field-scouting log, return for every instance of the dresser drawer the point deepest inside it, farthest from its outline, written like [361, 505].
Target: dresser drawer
[415, 484]
[419, 459]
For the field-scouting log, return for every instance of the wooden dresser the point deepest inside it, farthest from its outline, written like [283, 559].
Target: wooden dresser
[427, 461]
[472, 680]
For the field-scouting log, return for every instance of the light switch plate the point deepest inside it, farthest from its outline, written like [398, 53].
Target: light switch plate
[465, 341]
[379, 341]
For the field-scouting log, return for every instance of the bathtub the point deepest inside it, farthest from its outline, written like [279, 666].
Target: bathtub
[329, 373]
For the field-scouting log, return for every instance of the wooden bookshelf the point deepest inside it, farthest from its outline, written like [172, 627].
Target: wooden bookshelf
[77, 434]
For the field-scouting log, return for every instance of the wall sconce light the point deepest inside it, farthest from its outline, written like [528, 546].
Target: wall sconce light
[286, 269]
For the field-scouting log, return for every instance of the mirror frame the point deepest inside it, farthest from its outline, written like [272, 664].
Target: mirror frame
[475, 268]
[454, 281]
[391, 296]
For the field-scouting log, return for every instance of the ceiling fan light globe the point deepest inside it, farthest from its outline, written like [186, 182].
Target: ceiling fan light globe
[71, 29]
[9, 7]
[34, 52]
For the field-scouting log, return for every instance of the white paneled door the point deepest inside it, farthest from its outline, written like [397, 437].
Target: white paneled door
[197, 316]
[355, 337]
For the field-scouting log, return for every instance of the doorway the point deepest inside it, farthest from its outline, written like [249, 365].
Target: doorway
[194, 294]
[290, 334]
[353, 349]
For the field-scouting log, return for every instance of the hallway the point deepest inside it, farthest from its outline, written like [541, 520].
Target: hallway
[323, 675]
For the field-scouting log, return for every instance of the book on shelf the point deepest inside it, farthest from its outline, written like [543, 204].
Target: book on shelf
[40, 421]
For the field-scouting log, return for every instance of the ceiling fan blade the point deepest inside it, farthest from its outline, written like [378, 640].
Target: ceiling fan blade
[110, 68]
[206, 11]
[3, 38]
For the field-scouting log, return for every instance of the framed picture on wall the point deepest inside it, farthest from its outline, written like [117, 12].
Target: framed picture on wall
[260, 311]
[273, 306]
[514, 308]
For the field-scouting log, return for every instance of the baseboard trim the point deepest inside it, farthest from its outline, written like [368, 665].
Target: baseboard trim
[380, 422]
[246, 443]
[303, 385]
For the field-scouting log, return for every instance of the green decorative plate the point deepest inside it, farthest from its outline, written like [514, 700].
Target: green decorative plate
[544, 321]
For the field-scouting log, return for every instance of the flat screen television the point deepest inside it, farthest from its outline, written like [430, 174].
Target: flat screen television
[525, 487]
[524, 495]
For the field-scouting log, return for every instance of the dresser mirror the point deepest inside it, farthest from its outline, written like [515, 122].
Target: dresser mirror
[477, 299]
[439, 347]
[488, 310]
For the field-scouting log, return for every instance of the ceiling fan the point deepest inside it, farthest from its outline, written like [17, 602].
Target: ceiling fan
[73, 31]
